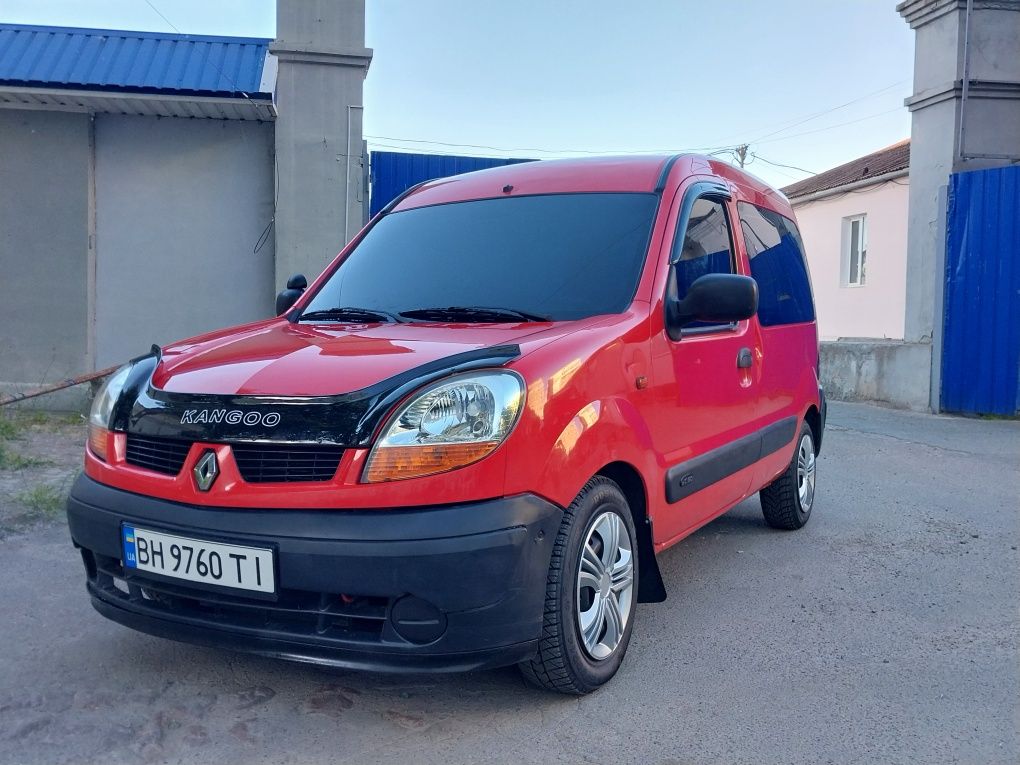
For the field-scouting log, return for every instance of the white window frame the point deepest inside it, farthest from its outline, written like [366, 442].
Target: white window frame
[848, 276]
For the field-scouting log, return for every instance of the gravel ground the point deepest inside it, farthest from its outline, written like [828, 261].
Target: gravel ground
[886, 631]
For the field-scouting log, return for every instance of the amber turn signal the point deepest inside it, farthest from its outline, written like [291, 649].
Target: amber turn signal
[394, 463]
[98, 438]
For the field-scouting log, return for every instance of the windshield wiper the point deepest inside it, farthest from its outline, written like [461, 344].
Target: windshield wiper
[472, 313]
[350, 313]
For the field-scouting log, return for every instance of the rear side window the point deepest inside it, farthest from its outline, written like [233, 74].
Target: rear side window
[778, 265]
[705, 247]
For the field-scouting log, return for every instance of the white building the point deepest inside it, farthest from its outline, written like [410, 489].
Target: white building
[853, 219]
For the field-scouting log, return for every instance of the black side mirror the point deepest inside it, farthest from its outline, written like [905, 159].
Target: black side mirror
[717, 298]
[295, 288]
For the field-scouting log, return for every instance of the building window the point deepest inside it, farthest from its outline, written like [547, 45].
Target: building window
[855, 250]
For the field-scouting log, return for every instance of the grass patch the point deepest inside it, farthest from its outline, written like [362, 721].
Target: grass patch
[12, 425]
[50, 419]
[12, 461]
[44, 501]
[8, 429]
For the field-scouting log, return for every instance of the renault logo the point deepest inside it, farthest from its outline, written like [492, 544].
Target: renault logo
[206, 470]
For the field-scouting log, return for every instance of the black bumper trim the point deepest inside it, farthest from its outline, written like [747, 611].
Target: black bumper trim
[482, 565]
[352, 657]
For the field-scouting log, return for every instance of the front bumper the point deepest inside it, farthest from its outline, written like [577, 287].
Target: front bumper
[447, 588]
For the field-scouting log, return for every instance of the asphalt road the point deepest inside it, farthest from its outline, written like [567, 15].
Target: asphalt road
[886, 631]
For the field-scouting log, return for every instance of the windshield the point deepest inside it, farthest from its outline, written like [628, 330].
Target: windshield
[556, 257]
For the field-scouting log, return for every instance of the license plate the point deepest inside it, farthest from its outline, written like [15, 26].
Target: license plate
[196, 560]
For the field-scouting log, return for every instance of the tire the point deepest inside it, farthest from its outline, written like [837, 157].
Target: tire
[786, 502]
[567, 661]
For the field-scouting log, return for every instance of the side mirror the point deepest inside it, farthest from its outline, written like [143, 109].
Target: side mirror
[295, 288]
[717, 298]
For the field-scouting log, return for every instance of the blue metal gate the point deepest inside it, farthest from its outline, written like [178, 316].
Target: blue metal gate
[981, 340]
[394, 172]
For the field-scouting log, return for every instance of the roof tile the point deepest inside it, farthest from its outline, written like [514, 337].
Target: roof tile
[887, 160]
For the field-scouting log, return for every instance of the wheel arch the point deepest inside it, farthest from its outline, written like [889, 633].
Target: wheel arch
[814, 420]
[651, 588]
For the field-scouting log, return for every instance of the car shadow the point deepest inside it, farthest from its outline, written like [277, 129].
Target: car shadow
[329, 691]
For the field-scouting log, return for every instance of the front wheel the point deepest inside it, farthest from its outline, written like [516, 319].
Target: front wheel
[591, 593]
[786, 502]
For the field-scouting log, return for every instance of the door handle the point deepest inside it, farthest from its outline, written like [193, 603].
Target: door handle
[744, 358]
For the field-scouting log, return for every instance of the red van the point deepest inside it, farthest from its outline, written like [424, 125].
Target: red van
[464, 444]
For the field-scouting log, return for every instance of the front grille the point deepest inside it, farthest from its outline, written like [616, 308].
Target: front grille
[294, 612]
[258, 463]
[267, 463]
[163, 455]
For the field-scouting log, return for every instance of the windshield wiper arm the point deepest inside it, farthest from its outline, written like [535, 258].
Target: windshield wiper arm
[350, 313]
[477, 313]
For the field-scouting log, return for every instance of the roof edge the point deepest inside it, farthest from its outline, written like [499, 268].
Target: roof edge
[184, 36]
[878, 180]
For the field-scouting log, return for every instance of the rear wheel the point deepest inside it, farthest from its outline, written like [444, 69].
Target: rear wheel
[786, 502]
[591, 593]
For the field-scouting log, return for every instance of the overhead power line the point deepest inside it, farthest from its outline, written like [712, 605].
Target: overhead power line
[830, 127]
[707, 149]
[780, 164]
[816, 115]
[533, 149]
[717, 148]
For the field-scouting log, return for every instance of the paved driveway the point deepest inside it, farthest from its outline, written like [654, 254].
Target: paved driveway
[886, 631]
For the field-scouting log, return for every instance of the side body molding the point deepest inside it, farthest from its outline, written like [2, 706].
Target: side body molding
[693, 475]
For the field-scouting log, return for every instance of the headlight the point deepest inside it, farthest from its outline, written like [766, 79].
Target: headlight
[102, 410]
[447, 425]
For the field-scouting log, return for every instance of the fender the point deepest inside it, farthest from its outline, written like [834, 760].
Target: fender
[607, 437]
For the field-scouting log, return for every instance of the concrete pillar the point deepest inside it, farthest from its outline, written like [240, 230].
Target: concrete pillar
[965, 112]
[320, 47]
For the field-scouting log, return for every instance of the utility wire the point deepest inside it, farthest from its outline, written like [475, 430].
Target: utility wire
[535, 150]
[830, 127]
[780, 164]
[227, 77]
[263, 238]
[822, 113]
[716, 148]
[711, 150]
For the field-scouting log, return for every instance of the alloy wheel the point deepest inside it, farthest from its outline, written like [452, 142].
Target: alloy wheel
[605, 585]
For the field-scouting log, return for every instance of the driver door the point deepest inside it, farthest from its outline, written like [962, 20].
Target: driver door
[707, 378]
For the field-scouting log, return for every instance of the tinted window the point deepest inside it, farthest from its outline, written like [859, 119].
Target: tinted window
[564, 256]
[703, 247]
[777, 264]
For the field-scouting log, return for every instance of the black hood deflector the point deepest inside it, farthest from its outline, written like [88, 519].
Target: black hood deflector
[347, 419]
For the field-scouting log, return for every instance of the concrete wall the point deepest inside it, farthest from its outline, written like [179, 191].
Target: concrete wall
[44, 171]
[883, 371]
[320, 159]
[180, 205]
[876, 309]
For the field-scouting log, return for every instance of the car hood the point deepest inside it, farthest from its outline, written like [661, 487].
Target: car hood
[278, 358]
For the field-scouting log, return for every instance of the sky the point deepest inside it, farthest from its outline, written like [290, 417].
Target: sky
[808, 84]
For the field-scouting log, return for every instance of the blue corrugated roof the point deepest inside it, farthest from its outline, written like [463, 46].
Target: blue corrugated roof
[140, 62]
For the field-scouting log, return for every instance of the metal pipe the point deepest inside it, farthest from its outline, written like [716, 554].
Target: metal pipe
[347, 188]
[10, 398]
[966, 80]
